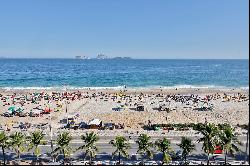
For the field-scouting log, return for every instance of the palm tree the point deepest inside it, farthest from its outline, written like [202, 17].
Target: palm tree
[17, 141]
[62, 142]
[90, 140]
[144, 146]
[165, 148]
[187, 147]
[121, 145]
[210, 138]
[229, 141]
[4, 143]
[36, 139]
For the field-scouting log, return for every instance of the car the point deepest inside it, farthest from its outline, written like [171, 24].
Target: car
[177, 155]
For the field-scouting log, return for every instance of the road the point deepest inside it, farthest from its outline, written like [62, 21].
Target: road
[106, 149]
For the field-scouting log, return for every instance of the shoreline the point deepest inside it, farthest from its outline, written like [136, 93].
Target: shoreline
[173, 89]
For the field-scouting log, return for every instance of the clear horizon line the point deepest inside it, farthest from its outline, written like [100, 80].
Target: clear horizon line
[127, 59]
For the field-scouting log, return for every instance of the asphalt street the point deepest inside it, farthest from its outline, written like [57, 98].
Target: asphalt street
[106, 149]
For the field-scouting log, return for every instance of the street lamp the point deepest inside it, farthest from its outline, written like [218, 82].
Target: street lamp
[66, 107]
[51, 133]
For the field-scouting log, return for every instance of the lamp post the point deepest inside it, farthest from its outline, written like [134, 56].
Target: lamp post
[66, 107]
[51, 134]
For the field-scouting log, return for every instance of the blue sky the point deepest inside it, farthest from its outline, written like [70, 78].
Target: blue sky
[135, 28]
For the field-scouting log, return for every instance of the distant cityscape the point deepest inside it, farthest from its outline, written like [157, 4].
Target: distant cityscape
[101, 56]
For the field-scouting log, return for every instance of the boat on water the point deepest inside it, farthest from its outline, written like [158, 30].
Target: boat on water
[101, 56]
[81, 57]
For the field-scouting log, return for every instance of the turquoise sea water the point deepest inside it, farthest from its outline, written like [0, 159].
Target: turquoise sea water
[38, 73]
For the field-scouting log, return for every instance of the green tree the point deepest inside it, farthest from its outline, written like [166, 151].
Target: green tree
[229, 141]
[63, 146]
[163, 145]
[187, 147]
[122, 146]
[89, 146]
[210, 138]
[17, 141]
[36, 139]
[4, 143]
[144, 146]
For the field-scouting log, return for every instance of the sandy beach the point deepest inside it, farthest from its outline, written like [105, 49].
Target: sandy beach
[227, 106]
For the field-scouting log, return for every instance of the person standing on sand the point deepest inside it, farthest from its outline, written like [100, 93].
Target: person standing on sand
[149, 123]
[205, 120]
[124, 88]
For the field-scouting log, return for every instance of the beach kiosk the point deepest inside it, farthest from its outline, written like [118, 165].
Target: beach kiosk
[95, 124]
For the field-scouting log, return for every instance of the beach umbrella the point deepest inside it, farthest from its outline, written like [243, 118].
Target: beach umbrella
[12, 109]
[47, 110]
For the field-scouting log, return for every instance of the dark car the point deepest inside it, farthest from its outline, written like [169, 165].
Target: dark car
[177, 155]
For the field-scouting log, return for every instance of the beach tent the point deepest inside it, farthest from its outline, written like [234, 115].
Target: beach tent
[95, 124]
[36, 111]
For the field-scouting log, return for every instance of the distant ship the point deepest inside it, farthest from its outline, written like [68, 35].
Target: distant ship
[81, 57]
[101, 56]
[122, 57]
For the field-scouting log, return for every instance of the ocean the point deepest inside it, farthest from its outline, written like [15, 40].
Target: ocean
[114, 73]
